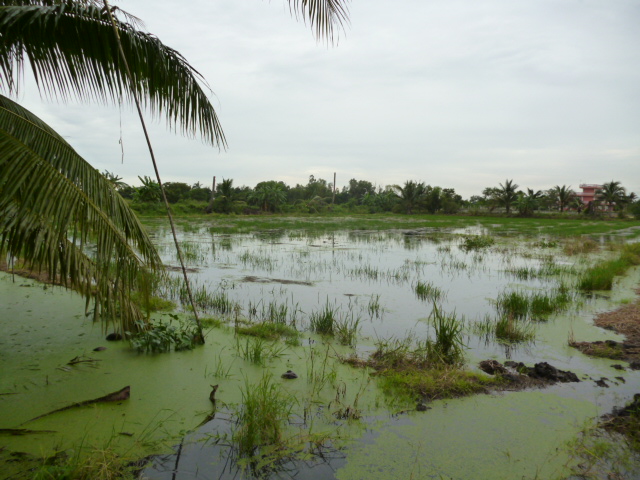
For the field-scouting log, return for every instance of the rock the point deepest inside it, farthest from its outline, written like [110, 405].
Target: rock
[635, 365]
[617, 366]
[99, 349]
[422, 407]
[492, 367]
[113, 337]
[621, 379]
[602, 383]
[289, 375]
[548, 372]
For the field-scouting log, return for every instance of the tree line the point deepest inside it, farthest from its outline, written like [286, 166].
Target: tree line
[362, 196]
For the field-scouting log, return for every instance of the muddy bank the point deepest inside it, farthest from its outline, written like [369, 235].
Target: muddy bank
[625, 321]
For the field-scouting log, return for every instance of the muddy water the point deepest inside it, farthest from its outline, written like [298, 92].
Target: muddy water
[509, 435]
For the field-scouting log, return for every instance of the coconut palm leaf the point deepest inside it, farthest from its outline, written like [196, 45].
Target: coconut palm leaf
[65, 218]
[72, 51]
[324, 16]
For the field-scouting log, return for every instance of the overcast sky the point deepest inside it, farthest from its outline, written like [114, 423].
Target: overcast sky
[456, 93]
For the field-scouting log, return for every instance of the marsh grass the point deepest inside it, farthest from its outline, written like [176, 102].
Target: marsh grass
[476, 242]
[535, 306]
[346, 330]
[506, 329]
[323, 321]
[601, 275]
[262, 418]
[258, 350]
[580, 245]
[268, 330]
[428, 291]
[373, 306]
[87, 464]
[448, 346]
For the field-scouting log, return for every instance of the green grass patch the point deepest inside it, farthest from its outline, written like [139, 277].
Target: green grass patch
[268, 330]
[434, 383]
[506, 329]
[601, 275]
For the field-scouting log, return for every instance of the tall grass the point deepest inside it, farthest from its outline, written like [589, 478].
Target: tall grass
[448, 346]
[323, 321]
[506, 329]
[601, 275]
[537, 306]
[262, 418]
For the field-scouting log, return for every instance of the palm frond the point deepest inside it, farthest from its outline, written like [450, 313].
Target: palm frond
[324, 16]
[72, 51]
[64, 217]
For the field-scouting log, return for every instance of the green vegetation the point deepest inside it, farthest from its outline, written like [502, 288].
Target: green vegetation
[269, 330]
[323, 321]
[428, 291]
[262, 419]
[535, 306]
[476, 242]
[601, 275]
[160, 336]
[505, 329]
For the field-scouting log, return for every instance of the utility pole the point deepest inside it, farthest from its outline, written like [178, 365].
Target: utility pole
[333, 200]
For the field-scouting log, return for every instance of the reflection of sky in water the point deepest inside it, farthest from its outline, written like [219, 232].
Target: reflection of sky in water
[350, 270]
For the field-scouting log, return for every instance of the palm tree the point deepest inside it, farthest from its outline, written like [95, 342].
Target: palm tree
[563, 195]
[506, 194]
[46, 189]
[613, 195]
[410, 194]
[529, 202]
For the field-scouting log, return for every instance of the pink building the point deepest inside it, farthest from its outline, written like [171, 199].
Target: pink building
[588, 193]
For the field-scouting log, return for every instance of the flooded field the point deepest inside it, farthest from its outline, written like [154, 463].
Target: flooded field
[344, 297]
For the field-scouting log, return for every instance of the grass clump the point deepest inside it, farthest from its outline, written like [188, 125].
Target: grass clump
[346, 330]
[258, 350]
[448, 346]
[535, 306]
[268, 330]
[427, 291]
[506, 329]
[96, 464]
[323, 321]
[576, 246]
[601, 275]
[262, 418]
[476, 242]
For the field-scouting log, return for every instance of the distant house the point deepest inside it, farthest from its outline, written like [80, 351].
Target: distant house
[588, 193]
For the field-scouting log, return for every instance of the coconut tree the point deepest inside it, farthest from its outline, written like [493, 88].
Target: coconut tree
[507, 194]
[529, 202]
[410, 194]
[613, 195]
[563, 195]
[52, 202]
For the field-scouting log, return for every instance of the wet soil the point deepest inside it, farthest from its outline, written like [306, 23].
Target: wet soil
[625, 321]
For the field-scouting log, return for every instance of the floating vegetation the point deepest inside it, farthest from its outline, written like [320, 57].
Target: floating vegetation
[428, 291]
